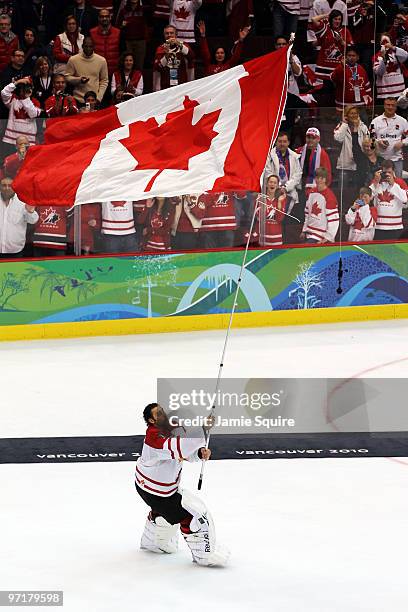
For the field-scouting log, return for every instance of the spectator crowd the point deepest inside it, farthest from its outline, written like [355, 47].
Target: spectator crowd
[336, 172]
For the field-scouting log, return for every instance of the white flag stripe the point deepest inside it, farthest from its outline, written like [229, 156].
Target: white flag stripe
[112, 169]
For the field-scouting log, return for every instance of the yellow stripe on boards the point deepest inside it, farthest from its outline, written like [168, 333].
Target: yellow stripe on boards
[158, 325]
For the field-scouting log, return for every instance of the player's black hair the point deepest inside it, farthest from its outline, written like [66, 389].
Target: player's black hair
[147, 412]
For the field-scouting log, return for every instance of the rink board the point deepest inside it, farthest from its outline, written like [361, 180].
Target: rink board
[88, 449]
[191, 291]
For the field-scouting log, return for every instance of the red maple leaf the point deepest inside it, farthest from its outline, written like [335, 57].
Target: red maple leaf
[386, 196]
[315, 209]
[181, 13]
[171, 145]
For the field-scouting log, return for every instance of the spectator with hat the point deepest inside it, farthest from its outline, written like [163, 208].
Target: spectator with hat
[313, 156]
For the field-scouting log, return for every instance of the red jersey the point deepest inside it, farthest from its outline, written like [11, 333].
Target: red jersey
[51, 228]
[195, 210]
[219, 212]
[357, 88]
[331, 47]
[271, 233]
[159, 229]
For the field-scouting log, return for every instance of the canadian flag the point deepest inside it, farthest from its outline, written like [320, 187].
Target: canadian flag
[212, 134]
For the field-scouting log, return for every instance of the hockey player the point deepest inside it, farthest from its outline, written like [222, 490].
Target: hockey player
[157, 480]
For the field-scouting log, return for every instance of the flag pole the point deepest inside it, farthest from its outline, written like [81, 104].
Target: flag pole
[224, 350]
[256, 208]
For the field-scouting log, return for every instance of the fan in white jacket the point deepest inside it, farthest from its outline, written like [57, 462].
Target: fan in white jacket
[342, 133]
[284, 163]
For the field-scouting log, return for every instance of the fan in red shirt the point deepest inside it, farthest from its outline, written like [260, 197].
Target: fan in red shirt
[60, 104]
[356, 90]
[13, 162]
[220, 62]
[271, 214]
[173, 62]
[189, 213]
[332, 36]
[106, 40]
[158, 225]
[219, 224]
[90, 222]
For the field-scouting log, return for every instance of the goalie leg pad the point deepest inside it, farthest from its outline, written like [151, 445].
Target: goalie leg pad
[201, 536]
[159, 536]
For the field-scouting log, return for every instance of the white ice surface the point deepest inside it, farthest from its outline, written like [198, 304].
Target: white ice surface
[97, 386]
[317, 535]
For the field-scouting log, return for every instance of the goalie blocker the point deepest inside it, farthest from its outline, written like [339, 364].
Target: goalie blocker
[157, 479]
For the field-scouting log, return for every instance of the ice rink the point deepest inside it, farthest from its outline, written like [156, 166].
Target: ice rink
[323, 535]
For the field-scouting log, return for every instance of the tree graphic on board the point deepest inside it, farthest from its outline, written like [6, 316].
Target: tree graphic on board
[151, 271]
[54, 283]
[10, 286]
[306, 282]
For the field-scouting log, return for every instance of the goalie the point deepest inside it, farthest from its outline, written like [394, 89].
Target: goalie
[157, 479]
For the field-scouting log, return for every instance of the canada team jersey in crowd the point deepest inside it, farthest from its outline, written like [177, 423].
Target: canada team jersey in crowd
[158, 469]
[182, 18]
[51, 228]
[219, 212]
[389, 77]
[332, 49]
[362, 222]
[158, 229]
[356, 90]
[271, 234]
[389, 201]
[117, 218]
[321, 215]
[22, 115]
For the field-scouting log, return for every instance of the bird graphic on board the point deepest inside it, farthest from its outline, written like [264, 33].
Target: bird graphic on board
[88, 274]
[59, 289]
